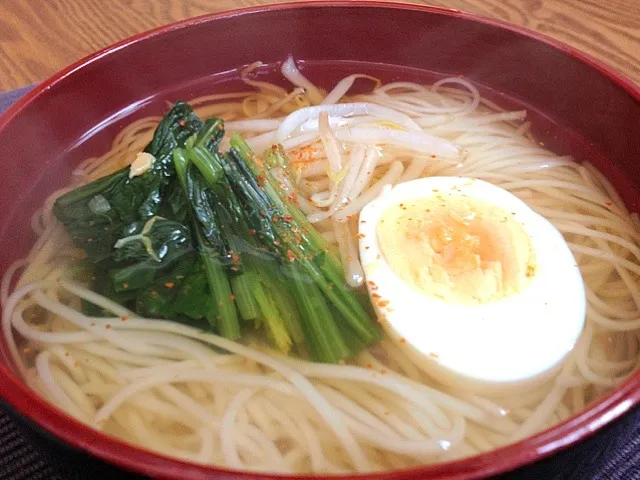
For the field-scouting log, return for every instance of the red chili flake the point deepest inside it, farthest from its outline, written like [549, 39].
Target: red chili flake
[287, 218]
[290, 255]
[433, 156]
[383, 303]
[124, 318]
[169, 284]
[261, 179]
[369, 366]
[375, 296]
[360, 235]
[403, 340]
[182, 123]
[26, 349]
[293, 197]
[609, 204]
[252, 233]
[232, 297]
[108, 326]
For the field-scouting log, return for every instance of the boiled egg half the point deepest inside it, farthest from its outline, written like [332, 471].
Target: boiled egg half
[472, 283]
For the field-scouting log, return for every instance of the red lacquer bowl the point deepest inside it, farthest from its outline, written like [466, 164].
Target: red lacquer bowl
[578, 106]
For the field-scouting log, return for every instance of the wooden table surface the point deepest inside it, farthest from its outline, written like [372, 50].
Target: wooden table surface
[39, 37]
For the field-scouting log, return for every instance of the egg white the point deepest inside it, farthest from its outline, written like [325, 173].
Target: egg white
[513, 339]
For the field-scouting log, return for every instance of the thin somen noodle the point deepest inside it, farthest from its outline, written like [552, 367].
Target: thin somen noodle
[186, 393]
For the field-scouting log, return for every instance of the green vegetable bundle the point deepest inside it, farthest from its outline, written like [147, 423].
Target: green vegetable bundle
[214, 240]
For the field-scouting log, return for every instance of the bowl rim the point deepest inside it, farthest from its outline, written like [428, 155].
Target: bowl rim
[47, 417]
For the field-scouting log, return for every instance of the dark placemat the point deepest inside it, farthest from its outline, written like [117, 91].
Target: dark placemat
[18, 459]
[8, 98]
[25, 454]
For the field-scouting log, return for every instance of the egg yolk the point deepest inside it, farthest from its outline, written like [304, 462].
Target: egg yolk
[457, 248]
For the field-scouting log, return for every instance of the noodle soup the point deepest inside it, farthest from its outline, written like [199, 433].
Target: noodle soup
[288, 388]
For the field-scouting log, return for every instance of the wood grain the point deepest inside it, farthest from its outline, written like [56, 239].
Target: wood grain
[39, 37]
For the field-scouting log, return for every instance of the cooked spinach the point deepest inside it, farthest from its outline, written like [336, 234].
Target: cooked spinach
[209, 239]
